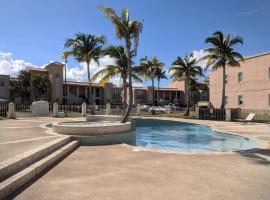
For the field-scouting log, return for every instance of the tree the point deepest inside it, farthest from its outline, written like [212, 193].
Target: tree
[160, 75]
[24, 79]
[148, 68]
[222, 54]
[188, 69]
[39, 86]
[84, 48]
[118, 69]
[127, 30]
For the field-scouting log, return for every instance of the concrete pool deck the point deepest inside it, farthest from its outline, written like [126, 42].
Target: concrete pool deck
[122, 172]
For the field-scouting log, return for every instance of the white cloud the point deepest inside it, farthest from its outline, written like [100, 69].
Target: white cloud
[10, 66]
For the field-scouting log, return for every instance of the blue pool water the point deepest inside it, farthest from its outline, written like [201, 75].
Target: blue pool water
[186, 137]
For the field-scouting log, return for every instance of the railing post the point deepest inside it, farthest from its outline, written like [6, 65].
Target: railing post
[55, 110]
[108, 108]
[138, 110]
[84, 109]
[11, 111]
[197, 111]
[228, 114]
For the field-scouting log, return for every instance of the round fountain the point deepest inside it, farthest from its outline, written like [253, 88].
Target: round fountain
[97, 130]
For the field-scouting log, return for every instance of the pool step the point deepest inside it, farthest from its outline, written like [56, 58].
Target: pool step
[17, 180]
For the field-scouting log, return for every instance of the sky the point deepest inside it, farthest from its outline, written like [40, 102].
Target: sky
[32, 33]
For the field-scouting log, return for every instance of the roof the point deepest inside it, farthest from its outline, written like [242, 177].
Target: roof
[257, 55]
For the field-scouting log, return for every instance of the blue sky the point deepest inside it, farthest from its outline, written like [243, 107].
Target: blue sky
[34, 31]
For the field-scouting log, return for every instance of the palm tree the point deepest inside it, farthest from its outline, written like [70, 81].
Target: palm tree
[148, 69]
[188, 69]
[222, 54]
[117, 69]
[160, 75]
[84, 48]
[127, 30]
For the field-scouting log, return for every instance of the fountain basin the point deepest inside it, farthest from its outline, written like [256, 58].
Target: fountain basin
[97, 130]
[91, 128]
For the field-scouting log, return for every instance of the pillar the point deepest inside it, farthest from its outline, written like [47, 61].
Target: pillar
[197, 111]
[84, 109]
[11, 111]
[108, 108]
[55, 110]
[228, 114]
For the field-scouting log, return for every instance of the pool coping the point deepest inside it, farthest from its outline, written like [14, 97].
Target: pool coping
[262, 144]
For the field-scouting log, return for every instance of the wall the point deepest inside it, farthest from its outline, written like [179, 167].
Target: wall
[4, 87]
[255, 86]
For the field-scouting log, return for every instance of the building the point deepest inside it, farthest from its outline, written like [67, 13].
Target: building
[4, 88]
[247, 86]
[71, 92]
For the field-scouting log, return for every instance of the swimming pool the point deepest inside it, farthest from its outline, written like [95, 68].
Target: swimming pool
[186, 137]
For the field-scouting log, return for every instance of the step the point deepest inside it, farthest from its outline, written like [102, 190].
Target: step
[21, 161]
[13, 183]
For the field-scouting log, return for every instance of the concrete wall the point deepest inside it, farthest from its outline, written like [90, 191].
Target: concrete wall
[255, 86]
[4, 87]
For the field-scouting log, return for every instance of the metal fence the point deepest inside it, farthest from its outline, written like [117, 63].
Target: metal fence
[261, 115]
[70, 108]
[212, 114]
[3, 110]
[23, 110]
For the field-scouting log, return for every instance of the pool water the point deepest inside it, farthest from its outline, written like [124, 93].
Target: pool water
[186, 137]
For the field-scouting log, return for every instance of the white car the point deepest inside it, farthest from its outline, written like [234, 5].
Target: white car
[172, 106]
[144, 108]
[157, 109]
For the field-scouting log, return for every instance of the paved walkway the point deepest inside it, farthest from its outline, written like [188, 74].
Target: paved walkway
[124, 172]
[20, 135]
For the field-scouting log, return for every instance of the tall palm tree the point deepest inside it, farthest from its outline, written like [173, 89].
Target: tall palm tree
[148, 69]
[160, 75]
[188, 69]
[118, 69]
[222, 54]
[127, 30]
[84, 48]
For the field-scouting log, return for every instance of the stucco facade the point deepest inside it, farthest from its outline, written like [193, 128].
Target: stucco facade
[247, 86]
[4, 87]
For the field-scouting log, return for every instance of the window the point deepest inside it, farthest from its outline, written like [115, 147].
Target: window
[226, 100]
[2, 83]
[240, 100]
[57, 75]
[226, 79]
[240, 77]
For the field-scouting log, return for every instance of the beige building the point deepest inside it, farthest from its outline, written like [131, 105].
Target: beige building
[77, 92]
[247, 86]
[4, 88]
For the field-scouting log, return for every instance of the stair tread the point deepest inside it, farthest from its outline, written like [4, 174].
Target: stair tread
[25, 171]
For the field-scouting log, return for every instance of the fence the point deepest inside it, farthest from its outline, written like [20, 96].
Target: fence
[212, 114]
[261, 115]
[23, 110]
[3, 110]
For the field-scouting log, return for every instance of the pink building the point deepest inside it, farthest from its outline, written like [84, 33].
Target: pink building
[247, 86]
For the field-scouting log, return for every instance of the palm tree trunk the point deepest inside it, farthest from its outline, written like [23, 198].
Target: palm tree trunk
[223, 87]
[187, 98]
[158, 92]
[153, 91]
[124, 95]
[89, 84]
[130, 103]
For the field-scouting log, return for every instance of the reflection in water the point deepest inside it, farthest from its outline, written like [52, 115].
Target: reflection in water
[186, 137]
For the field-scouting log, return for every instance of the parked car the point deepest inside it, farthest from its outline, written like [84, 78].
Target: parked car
[157, 110]
[172, 106]
[144, 108]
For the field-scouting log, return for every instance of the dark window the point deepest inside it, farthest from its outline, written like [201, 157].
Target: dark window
[226, 100]
[57, 75]
[240, 76]
[226, 79]
[2, 83]
[240, 100]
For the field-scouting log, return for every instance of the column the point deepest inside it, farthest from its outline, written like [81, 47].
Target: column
[84, 109]
[11, 111]
[55, 110]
